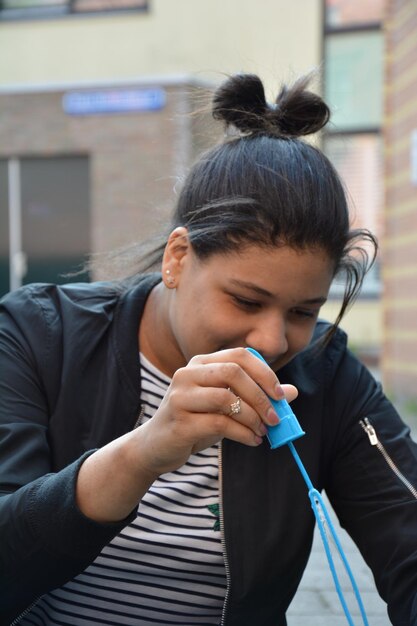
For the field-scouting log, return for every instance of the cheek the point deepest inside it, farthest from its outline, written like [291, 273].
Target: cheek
[299, 338]
[208, 331]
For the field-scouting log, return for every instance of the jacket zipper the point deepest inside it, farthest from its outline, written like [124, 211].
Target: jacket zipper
[223, 539]
[23, 614]
[374, 441]
[139, 417]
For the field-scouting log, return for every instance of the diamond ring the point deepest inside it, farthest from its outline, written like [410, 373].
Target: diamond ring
[235, 407]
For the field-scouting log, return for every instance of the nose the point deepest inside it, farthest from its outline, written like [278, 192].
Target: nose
[269, 337]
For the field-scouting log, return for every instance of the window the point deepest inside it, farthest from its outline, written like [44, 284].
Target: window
[353, 62]
[347, 13]
[80, 6]
[354, 79]
[358, 160]
[30, 9]
[44, 219]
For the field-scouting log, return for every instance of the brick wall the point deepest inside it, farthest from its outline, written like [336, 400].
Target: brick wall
[399, 362]
[135, 158]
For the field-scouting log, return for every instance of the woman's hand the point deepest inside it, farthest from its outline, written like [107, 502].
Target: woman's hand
[194, 414]
[196, 410]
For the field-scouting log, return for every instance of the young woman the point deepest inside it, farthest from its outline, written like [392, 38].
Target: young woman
[139, 487]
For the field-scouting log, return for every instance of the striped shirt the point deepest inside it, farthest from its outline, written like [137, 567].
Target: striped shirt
[166, 567]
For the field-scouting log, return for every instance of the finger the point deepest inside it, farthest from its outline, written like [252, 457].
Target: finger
[244, 414]
[192, 421]
[235, 407]
[258, 370]
[215, 426]
[241, 412]
[219, 401]
[224, 375]
[290, 391]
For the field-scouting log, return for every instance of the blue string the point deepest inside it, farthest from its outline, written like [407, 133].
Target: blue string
[317, 504]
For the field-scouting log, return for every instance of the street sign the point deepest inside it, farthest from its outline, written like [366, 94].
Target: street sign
[113, 101]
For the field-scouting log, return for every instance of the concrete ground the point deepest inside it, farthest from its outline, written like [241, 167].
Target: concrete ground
[317, 602]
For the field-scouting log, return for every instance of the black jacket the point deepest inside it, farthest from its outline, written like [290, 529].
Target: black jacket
[70, 382]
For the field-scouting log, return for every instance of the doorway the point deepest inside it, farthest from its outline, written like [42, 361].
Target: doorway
[44, 220]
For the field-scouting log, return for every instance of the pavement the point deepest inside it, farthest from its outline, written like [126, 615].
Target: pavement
[317, 602]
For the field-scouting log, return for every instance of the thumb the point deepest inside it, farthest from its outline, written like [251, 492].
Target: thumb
[290, 391]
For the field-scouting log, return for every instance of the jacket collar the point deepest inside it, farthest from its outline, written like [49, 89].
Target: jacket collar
[125, 330]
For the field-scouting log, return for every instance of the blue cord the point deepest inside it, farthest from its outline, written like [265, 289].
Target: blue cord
[317, 504]
[283, 433]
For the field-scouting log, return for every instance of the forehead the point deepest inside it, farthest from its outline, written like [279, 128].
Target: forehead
[273, 268]
[255, 256]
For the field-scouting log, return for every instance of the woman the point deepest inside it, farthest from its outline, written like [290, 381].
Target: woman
[138, 485]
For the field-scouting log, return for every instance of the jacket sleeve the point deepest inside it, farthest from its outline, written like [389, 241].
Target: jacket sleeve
[373, 484]
[45, 539]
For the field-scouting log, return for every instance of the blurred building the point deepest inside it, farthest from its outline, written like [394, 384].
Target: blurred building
[353, 55]
[95, 130]
[89, 170]
[399, 363]
[95, 97]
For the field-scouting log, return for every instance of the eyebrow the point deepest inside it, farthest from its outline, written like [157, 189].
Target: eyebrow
[268, 294]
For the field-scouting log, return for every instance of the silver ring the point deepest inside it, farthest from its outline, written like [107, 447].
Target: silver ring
[235, 407]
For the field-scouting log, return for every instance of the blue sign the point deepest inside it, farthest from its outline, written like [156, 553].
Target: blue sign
[113, 101]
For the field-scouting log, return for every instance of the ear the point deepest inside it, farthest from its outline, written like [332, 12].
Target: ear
[176, 251]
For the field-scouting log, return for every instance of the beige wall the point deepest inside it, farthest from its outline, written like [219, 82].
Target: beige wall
[275, 38]
[363, 324]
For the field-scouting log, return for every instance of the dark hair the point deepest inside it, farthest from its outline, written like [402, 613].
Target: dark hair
[266, 186]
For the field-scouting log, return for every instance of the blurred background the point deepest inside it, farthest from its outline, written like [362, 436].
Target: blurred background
[100, 117]
[96, 132]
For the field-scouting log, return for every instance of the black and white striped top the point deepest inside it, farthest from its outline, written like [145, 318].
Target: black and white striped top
[166, 567]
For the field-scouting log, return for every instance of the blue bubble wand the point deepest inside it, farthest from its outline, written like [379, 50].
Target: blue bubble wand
[285, 433]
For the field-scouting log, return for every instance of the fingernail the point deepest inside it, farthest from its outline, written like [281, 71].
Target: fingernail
[258, 440]
[279, 391]
[263, 429]
[272, 417]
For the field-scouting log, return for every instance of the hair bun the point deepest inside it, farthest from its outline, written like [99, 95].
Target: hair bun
[240, 101]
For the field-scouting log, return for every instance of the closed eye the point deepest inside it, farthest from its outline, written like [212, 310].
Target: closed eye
[244, 303]
[306, 313]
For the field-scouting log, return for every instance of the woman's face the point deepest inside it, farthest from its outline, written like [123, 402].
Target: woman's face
[264, 298]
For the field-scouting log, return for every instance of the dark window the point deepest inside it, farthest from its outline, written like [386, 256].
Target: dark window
[55, 216]
[32, 9]
[49, 207]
